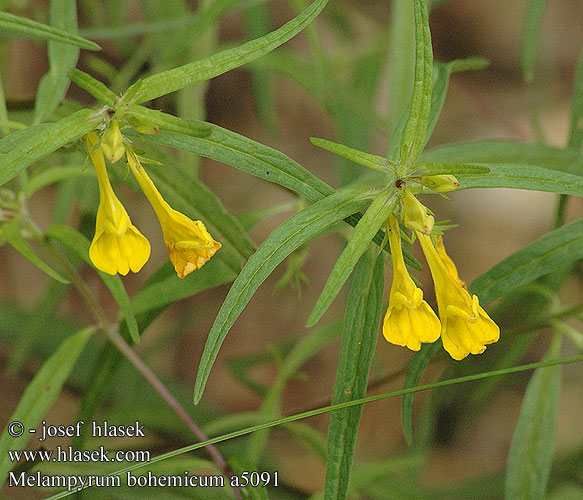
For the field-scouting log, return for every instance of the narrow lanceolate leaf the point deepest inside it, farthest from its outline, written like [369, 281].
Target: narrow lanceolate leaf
[10, 22]
[240, 152]
[531, 449]
[165, 291]
[40, 395]
[62, 58]
[416, 128]
[414, 372]
[366, 159]
[438, 93]
[361, 326]
[534, 17]
[11, 231]
[374, 218]
[169, 81]
[96, 88]
[508, 152]
[554, 249]
[289, 236]
[451, 168]
[75, 241]
[23, 148]
[525, 177]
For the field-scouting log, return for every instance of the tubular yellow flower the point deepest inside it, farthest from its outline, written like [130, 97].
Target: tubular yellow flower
[465, 327]
[188, 242]
[117, 246]
[409, 319]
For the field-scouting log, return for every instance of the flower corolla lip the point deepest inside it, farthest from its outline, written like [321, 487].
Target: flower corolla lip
[117, 246]
[465, 327]
[409, 320]
[188, 242]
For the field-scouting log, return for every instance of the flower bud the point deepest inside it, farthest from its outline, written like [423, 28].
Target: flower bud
[112, 142]
[440, 183]
[415, 214]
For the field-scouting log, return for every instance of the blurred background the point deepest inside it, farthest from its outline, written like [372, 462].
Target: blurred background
[494, 103]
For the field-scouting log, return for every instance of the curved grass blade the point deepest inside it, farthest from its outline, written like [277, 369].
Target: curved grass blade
[62, 58]
[40, 395]
[554, 249]
[75, 241]
[297, 230]
[373, 219]
[340, 406]
[360, 332]
[415, 131]
[531, 449]
[24, 26]
[169, 81]
[22, 148]
[11, 231]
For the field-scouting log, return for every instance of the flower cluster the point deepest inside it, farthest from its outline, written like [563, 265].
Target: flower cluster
[463, 325]
[118, 246]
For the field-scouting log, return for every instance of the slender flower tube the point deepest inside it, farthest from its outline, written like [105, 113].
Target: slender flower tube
[465, 327]
[117, 246]
[409, 319]
[188, 242]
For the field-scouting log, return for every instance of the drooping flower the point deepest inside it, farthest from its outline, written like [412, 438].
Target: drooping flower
[188, 242]
[465, 327]
[409, 320]
[117, 246]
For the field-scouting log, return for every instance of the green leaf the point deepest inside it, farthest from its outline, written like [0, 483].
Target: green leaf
[11, 231]
[39, 180]
[531, 450]
[360, 332]
[373, 219]
[451, 168]
[507, 152]
[559, 247]
[416, 127]
[40, 395]
[165, 291]
[414, 373]
[62, 58]
[75, 241]
[96, 88]
[289, 236]
[169, 81]
[27, 27]
[242, 153]
[169, 123]
[366, 159]
[534, 16]
[23, 148]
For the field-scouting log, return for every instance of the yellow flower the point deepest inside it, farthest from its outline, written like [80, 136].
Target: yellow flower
[465, 327]
[409, 319]
[117, 246]
[188, 242]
